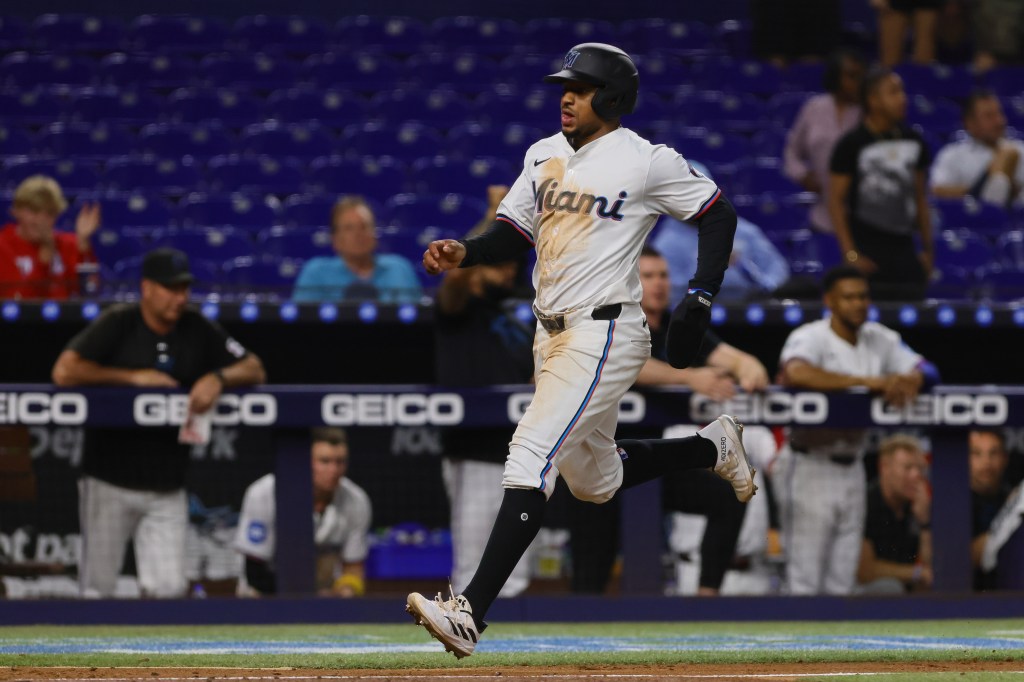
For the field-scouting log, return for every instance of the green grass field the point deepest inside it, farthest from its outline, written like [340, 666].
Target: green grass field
[507, 644]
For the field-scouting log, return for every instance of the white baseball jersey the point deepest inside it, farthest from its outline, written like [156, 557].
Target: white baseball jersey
[588, 212]
[341, 529]
[962, 163]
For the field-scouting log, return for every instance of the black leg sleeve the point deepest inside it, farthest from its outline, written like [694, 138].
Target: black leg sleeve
[645, 460]
[519, 519]
[260, 576]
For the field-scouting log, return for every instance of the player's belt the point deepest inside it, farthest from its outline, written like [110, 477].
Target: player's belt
[557, 323]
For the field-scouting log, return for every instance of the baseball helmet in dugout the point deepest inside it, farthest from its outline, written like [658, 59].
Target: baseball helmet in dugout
[608, 68]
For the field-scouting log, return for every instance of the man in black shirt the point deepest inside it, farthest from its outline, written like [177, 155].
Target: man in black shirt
[132, 480]
[877, 196]
[896, 552]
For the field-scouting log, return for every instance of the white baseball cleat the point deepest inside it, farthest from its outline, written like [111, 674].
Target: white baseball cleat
[449, 622]
[732, 463]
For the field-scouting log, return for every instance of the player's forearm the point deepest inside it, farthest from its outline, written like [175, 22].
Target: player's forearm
[880, 568]
[71, 369]
[716, 229]
[657, 372]
[246, 372]
[500, 243]
[814, 378]
[727, 357]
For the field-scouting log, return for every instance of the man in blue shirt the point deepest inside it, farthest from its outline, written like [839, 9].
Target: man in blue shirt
[358, 272]
[756, 267]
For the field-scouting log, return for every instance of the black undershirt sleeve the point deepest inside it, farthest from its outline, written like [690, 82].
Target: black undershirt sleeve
[260, 576]
[499, 243]
[716, 229]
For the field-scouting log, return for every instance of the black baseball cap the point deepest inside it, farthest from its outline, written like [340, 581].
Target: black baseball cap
[166, 266]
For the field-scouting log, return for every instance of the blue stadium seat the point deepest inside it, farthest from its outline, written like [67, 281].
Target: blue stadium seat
[13, 34]
[440, 175]
[209, 243]
[962, 249]
[134, 210]
[441, 107]
[937, 80]
[112, 245]
[784, 107]
[1010, 249]
[295, 243]
[364, 71]
[479, 35]
[301, 141]
[14, 141]
[770, 213]
[663, 72]
[734, 38]
[709, 146]
[456, 212]
[73, 175]
[374, 177]
[763, 175]
[259, 71]
[812, 252]
[1005, 80]
[86, 140]
[721, 111]
[980, 217]
[1002, 283]
[206, 273]
[935, 114]
[267, 174]
[804, 77]
[537, 106]
[407, 140]
[175, 140]
[951, 282]
[24, 70]
[333, 108]
[746, 76]
[508, 142]
[555, 36]
[31, 106]
[520, 70]
[393, 34]
[129, 106]
[273, 275]
[231, 107]
[651, 107]
[186, 34]
[236, 210]
[302, 211]
[688, 38]
[161, 71]
[77, 32]
[170, 177]
[769, 141]
[292, 34]
[462, 71]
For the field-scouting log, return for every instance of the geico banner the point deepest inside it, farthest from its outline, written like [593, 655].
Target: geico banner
[398, 409]
[949, 409]
[632, 407]
[763, 408]
[30, 408]
[250, 409]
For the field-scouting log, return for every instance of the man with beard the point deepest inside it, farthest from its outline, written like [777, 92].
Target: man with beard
[877, 194]
[132, 481]
[821, 484]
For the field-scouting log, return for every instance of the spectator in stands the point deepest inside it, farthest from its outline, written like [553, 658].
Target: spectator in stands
[989, 491]
[986, 164]
[132, 481]
[822, 120]
[720, 371]
[341, 521]
[877, 194]
[756, 268]
[358, 272]
[787, 31]
[35, 260]
[998, 33]
[479, 342]
[896, 553]
[895, 18]
[824, 496]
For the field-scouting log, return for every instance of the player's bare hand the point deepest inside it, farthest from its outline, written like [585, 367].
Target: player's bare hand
[751, 374]
[714, 382]
[900, 389]
[204, 394]
[152, 378]
[443, 254]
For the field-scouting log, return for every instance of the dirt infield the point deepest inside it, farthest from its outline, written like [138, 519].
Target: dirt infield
[798, 671]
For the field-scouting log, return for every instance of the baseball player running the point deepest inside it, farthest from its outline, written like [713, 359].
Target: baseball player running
[586, 200]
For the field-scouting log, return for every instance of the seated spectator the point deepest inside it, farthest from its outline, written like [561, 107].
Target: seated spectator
[895, 18]
[822, 120]
[358, 272]
[341, 517]
[986, 164]
[896, 553]
[756, 267]
[989, 491]
[35, 260]
[998, 33]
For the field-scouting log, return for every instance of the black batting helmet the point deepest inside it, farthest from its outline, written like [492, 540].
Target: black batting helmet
[607, 67]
